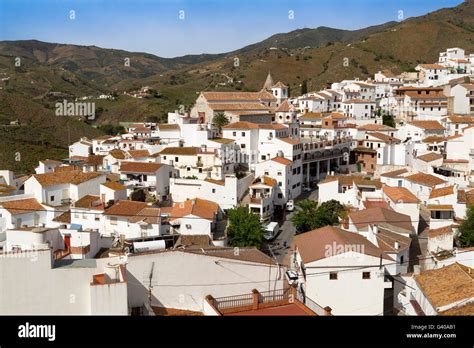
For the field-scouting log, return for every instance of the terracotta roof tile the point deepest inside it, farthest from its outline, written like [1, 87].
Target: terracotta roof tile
[237, 106]
[385, 218]
[89, 202]
[394, 173]
[222, 140]
[181, 151]
[215, 182]
[113, 185]
[425, 179]
[441, 192]
[198, 207]
[447, 207]
[139, 153]
[140, 167]
[384, 137]
[282, 160]
[237, 96]
[400, 195]
[22, 206]
[167, 126]
[312, 245]
[427, 125]
[430, 157]
[74, 177]
[126, 208]
[387, 240]
[446, 285]
[284, 107]
[291, 141]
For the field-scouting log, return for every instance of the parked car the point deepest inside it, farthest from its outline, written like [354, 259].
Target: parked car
[290, 205]
[271, 230]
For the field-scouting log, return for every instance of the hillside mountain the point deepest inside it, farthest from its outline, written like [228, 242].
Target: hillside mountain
[315, 37]
[315, 55]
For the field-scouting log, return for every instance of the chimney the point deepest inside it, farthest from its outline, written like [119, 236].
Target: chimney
[375, 228]
[397, 245]
[255, 296]
[416, 269]
[103, 200]
[327, 310]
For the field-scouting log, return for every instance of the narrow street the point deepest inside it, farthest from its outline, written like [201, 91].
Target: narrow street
[281, 244]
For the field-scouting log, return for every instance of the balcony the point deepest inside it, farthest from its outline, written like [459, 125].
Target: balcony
[281, 302]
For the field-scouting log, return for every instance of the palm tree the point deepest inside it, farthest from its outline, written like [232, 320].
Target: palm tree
[220, 120]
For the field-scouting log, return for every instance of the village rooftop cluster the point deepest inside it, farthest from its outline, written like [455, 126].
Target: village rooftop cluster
[136, 223]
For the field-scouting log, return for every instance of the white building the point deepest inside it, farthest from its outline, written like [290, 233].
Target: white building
[443, 291]
[327, 261]
[44, 287]
[63, 188]
[153, 177]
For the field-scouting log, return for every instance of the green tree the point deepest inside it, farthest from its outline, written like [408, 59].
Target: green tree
[466, 230]
[304, 87]
[220, 120]
[245, 228]
[333, 210]
[388, 120]
[311, 216]
[303, 218]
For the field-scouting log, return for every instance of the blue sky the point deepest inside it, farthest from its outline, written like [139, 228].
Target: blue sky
[209, 26]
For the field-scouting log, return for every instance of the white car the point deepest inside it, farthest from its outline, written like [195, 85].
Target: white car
[271, 230]
[290, 205]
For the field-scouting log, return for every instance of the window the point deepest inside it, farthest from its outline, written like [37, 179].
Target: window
[333, 276]
[176, 159]
[243, 134]
[365, 275]
[97, 217]
[242, 146]
[234, 134]
[213, 190]
[113, 220]
[164, 157]
[51, 199]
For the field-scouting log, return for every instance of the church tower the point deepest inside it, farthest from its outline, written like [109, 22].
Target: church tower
[268, 83]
